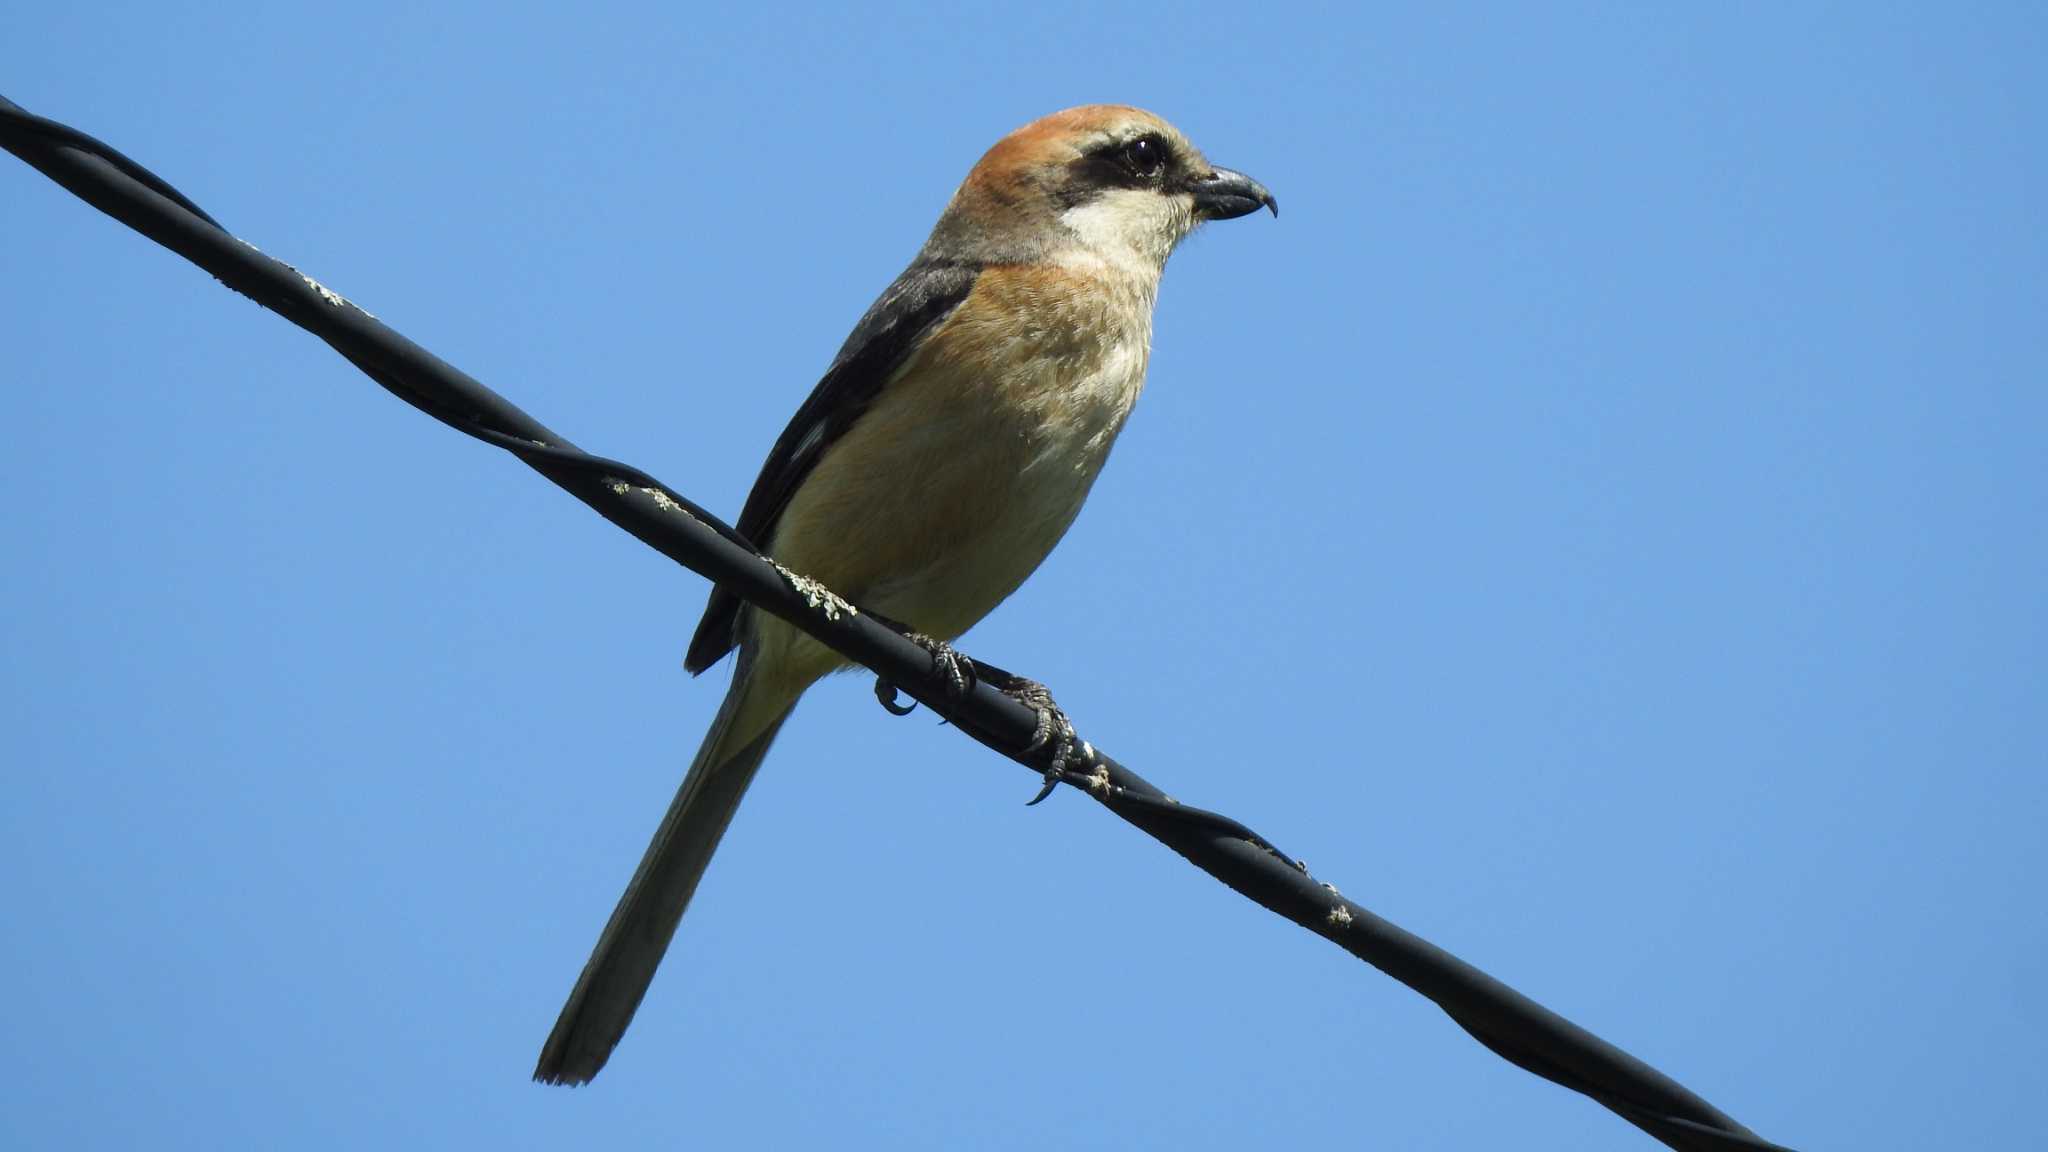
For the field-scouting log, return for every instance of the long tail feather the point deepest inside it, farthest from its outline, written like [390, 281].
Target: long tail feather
[622, 965]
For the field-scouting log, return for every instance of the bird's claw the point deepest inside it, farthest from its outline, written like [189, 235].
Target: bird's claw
[1054, 730]
[953, 672]
[1052, 781]
[887, 693]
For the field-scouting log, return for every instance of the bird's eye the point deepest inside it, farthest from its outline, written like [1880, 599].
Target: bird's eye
[1145, 157]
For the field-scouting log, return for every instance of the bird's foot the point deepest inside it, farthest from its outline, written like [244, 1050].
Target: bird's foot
[1054, 730]
[954, 673]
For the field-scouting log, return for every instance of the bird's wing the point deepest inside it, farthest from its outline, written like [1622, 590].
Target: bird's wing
[897, 323]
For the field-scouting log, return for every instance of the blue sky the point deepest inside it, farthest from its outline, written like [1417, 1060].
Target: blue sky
[1598, 525]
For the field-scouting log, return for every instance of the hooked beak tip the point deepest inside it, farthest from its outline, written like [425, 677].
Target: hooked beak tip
[1225, 195]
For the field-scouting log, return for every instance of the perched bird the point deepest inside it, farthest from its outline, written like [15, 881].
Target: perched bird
[943, 454]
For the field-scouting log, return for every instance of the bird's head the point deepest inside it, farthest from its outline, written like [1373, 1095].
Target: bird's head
[1103, 182]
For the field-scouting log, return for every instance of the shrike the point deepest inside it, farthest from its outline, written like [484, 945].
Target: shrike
[945, 452]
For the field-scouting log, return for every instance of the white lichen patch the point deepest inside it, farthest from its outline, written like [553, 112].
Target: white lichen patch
[662, 500]
[332, 297]
[817, 597]
[1340, 916]
[324, 292]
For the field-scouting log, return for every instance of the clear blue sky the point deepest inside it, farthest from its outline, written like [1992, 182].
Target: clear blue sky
[1599, 525]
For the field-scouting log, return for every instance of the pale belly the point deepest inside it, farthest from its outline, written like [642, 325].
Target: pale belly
[1025, 517]
[944, 499]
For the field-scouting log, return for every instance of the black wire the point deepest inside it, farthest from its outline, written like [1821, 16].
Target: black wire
[67, 136]
[1511, 1025]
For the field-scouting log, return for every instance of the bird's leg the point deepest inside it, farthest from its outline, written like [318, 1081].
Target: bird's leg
[954, 672]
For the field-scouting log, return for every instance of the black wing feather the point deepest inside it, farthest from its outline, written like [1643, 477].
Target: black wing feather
[898, 321]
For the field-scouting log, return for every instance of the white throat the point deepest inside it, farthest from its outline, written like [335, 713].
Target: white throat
[1128, 230]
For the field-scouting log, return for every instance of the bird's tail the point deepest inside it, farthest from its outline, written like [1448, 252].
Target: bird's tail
[623, 963]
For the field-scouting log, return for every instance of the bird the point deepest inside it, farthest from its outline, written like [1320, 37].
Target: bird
[945, 450]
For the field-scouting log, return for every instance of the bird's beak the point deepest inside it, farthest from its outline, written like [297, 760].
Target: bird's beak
[1226, 195]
